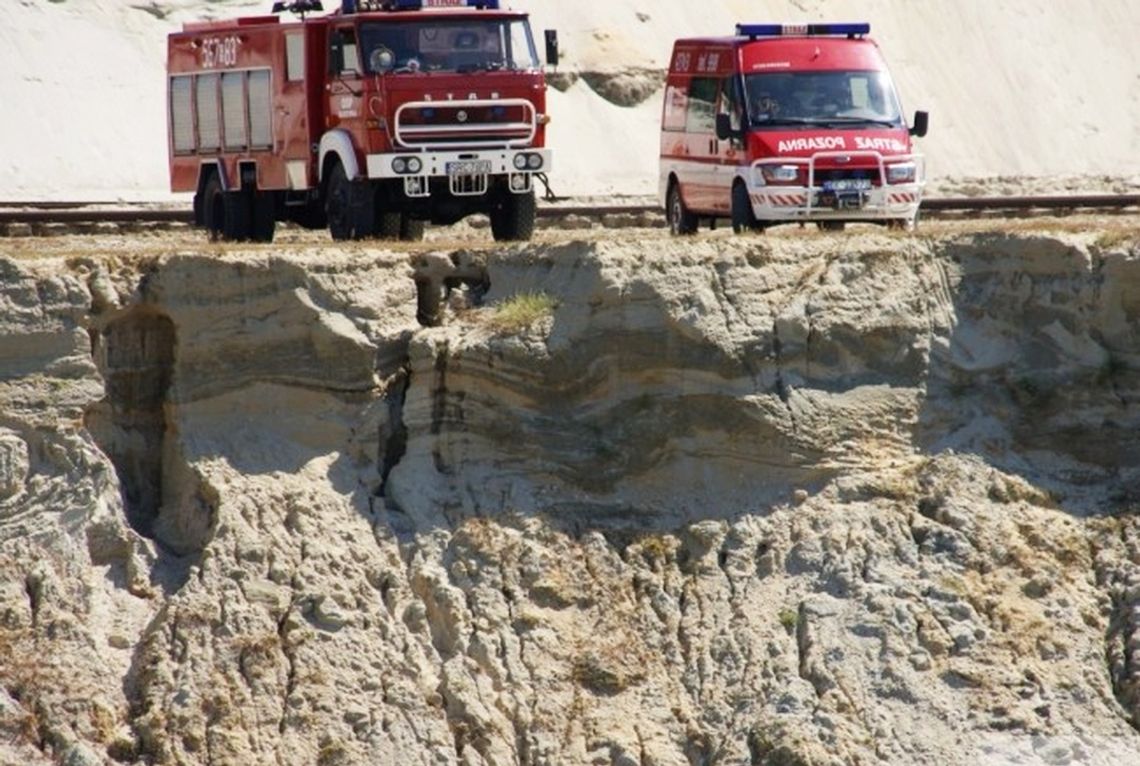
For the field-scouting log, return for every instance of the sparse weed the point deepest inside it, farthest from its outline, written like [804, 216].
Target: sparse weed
[1110, 240]
[789, 618]
[520, 311]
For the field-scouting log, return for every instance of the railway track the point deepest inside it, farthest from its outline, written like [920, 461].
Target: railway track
[30, 217]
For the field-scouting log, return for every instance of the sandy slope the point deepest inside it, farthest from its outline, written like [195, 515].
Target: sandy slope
[1032, 88]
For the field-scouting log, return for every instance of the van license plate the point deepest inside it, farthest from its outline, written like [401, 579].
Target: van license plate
[468, 168]
[847, 200]
[847, 184]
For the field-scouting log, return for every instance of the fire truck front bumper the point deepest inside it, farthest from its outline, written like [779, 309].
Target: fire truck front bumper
[466, 172]
[844, 199]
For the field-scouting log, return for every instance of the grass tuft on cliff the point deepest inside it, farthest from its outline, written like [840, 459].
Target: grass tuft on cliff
[521, 311]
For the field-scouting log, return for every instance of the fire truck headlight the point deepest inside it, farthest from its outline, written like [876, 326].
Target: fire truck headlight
[518, 182]
[780, 173]
[520, 162]
[414, 164]
[901, 173]
[534, 161]
[400, 165]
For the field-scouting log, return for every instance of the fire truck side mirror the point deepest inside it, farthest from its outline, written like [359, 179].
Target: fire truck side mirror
[724, 129]
[921, 122]
[551, 47]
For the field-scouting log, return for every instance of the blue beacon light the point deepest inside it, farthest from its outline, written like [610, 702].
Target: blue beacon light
[796, 30]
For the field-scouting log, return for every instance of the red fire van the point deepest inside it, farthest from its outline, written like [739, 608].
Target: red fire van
[786, 123]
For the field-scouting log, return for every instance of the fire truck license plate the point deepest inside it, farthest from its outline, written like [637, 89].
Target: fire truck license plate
[468, 168]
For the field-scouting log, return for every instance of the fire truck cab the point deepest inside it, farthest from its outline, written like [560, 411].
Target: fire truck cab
[786, 123]
[372, 120]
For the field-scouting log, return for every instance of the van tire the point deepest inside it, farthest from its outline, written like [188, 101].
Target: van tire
[743, 219]
[681, 221]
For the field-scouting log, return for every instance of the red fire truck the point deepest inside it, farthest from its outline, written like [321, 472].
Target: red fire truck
[786, 122]
[371, 120]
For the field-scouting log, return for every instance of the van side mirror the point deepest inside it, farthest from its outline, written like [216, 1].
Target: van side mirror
[551, 47]
[921, 122]
[724, 129]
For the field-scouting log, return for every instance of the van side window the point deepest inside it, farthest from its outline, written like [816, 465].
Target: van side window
[676, 100]
[701, 116]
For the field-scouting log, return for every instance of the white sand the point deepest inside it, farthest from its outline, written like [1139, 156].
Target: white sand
[1034, 88]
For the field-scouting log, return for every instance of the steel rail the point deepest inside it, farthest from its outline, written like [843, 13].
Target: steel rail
[40, 213]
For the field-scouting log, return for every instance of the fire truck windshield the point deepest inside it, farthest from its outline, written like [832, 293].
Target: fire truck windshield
[448, 45]
[815, 98]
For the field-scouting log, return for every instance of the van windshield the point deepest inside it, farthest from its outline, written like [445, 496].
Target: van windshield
[827, 98]
[456, 45]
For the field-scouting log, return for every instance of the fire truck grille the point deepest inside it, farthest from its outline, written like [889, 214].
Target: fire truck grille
[426, 124]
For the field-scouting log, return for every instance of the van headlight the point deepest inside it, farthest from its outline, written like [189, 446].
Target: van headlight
[901, 173]
[780, 173]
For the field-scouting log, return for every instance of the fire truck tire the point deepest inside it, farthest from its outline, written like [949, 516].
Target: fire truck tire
[388, 225]
[349, 207]
[237, 223]
[681, 221]
[743, 219]
[212, 209]
[411, 229]
[264, 217]
[512, 219]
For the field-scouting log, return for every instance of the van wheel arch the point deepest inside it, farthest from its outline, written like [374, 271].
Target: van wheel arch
[680, 219]
[743, 218]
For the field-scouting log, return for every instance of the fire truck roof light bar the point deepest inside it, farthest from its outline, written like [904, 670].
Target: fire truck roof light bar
[799, 30]
[415, 5]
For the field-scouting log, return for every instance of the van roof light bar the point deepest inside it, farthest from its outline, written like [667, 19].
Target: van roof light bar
[800, 30]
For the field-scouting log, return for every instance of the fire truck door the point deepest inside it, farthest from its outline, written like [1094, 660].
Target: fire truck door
[293, 137]
[345, 81]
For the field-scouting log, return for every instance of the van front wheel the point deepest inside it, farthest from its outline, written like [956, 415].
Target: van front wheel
[743, 219]
[681, 221]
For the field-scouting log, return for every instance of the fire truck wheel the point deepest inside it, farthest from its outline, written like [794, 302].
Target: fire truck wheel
[213, 211]
[388, 225]
[264, 220]
[743, 219]
[681, 221]
[237, 225]
[339, 206]
[411, 229]
[512, 219]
